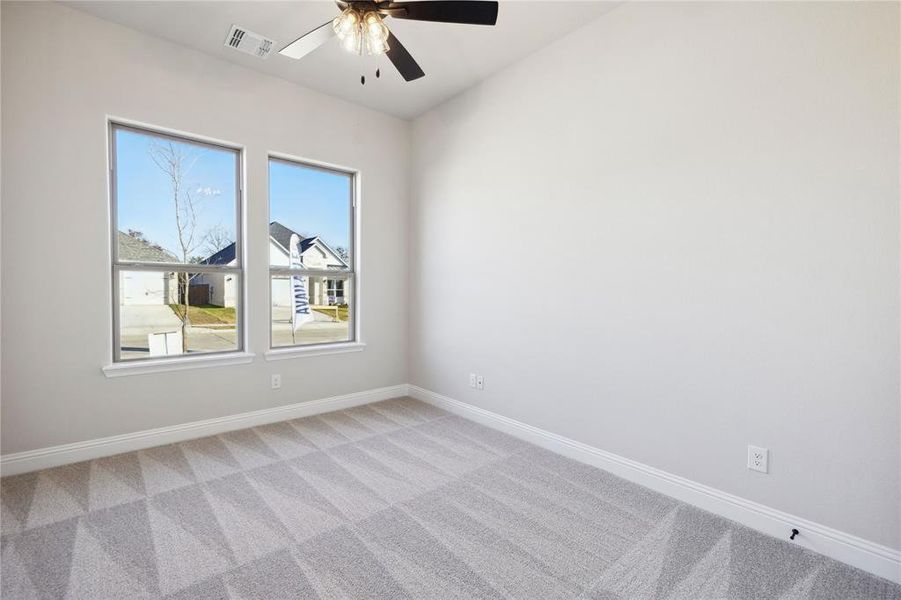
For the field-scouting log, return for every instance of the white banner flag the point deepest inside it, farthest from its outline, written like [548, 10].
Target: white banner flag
[300, 305]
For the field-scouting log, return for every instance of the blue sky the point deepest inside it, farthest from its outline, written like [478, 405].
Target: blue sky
[309, 201]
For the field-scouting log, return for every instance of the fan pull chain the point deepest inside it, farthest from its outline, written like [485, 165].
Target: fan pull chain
[378, 71]
[378, 74]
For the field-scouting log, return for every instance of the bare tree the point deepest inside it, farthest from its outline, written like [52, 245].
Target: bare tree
[175, 161]
[139, 235]
[216, 238]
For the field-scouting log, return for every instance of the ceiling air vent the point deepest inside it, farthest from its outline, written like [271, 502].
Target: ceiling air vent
[249, 42]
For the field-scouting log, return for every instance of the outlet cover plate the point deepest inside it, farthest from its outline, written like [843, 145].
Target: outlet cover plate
[758, 459]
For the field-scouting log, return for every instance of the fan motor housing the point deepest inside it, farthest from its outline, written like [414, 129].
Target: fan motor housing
[368, 6]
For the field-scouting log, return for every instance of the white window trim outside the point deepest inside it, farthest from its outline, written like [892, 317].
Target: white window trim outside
[352, 277]
[118, 368]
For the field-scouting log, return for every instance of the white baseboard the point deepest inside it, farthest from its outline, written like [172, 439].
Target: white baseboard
[855, 551]
[43, 458]
[858, 552]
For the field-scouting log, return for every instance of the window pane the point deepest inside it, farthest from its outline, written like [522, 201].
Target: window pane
[175, 201]
[151, 304]
[327, 318]
[316, 205]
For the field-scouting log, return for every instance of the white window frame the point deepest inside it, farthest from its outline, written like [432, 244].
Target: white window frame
[351, 276]
[239, 355]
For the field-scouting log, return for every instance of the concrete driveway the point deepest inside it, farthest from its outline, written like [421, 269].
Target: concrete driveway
[158, 317]
[320, 330]
[138, 321]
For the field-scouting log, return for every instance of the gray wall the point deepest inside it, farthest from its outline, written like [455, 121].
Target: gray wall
[716, 187]
[689, 213]
[63, 73]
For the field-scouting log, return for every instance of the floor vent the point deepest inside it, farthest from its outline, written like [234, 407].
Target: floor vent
[249, 42]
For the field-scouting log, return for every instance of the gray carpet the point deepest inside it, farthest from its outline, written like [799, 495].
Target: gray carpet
[391, 500]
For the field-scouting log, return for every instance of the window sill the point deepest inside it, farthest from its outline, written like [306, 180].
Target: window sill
[286, 353]
[142, 367]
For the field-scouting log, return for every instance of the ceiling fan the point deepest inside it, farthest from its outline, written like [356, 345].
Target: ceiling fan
[361, 29]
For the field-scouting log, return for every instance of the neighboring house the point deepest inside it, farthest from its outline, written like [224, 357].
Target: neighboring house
[145, 287]
[314, 254]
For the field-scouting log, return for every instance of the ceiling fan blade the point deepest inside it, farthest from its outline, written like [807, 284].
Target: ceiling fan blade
[402, 59]
[470, 12]
[309, 41]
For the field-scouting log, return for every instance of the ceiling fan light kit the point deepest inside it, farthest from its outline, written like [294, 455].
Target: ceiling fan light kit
[375, 33]
[361, 33]
[361, 29]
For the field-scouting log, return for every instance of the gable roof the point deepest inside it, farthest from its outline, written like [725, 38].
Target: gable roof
[133, 248]
[282, 235]
[223, 257]
[277, 231]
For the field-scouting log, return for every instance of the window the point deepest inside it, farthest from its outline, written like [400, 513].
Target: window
[176, 246]
[335, 291]
[311, 254]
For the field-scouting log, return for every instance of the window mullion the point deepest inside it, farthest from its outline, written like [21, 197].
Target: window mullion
[178, 268]
[283, 271]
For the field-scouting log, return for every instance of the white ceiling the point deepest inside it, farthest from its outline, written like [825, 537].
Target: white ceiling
[454, 57]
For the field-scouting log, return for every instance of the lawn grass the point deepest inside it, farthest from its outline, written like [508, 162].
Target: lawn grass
[342, 312]
[207, 314]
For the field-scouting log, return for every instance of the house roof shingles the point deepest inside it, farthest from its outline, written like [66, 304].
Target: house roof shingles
[136, 249]
[223, 257]
[282, 235]
[277, 231]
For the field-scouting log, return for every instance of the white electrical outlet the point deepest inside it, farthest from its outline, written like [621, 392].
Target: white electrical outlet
[276, 382]
[480, 382]
[472, 380]
[758, 459]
